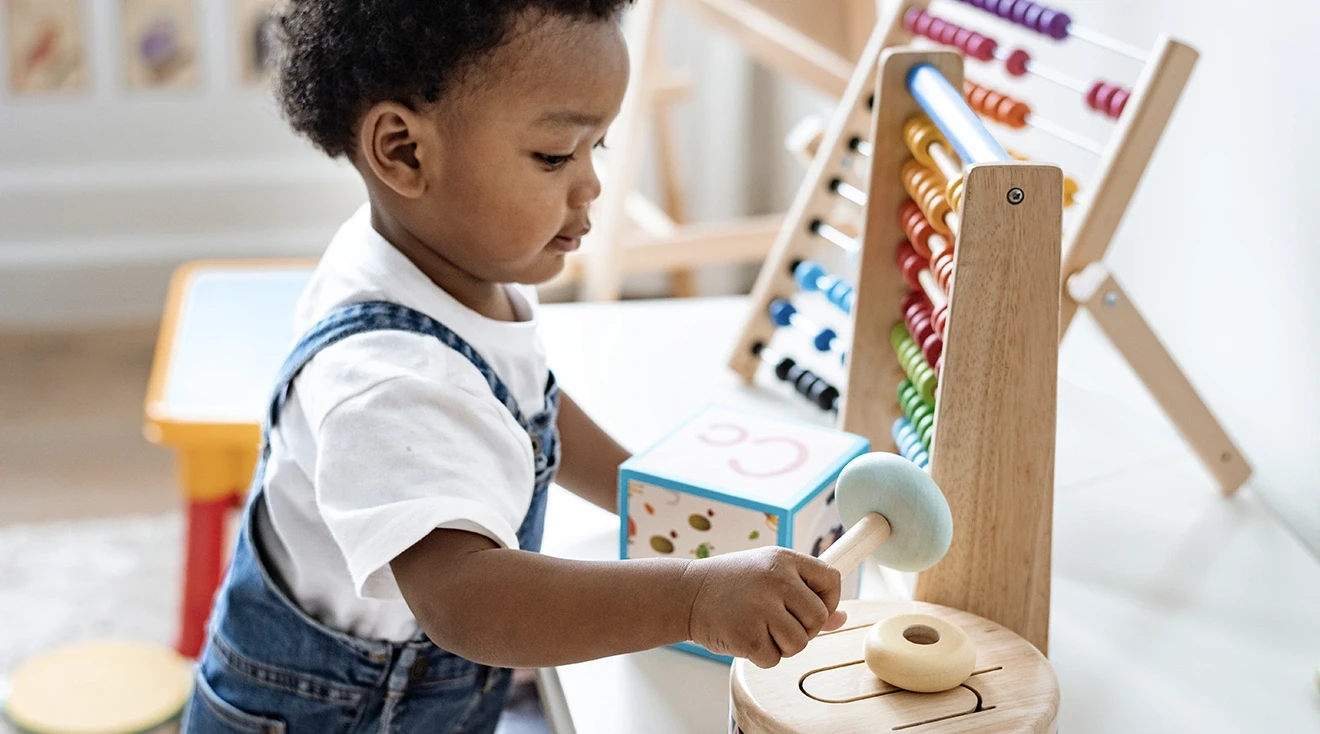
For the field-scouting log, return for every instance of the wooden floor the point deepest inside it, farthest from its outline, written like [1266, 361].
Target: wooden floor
[71, 443]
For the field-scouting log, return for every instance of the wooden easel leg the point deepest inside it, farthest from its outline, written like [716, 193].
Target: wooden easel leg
[603, 253]
[682, 281]
[1095, 288]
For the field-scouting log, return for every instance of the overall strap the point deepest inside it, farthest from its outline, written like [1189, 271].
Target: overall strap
[359, 318]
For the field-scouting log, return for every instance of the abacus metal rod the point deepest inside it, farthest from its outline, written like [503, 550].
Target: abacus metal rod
[1066, 81]
[1096, 38]
[1064, 134]
[836, 236]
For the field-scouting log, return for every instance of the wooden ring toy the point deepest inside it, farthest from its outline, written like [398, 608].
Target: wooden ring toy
[99, 687]
[919, 652]
[827, 687]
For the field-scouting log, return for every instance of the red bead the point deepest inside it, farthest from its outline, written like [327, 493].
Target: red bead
[982, 48]
[933, 349]
[911, 18]
[1016, 63]
[1092, 93]
[910, 299]
[911, 266]
[1118, 102]
[921, 329]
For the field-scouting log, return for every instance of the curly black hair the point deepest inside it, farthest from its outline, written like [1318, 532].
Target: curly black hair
[336, 58]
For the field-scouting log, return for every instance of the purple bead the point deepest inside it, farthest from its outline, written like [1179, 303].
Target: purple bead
[1054, 24]
[1020, 9]
[1032, 18]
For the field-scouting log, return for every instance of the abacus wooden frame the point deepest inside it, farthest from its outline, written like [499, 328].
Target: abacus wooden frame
[993, 451]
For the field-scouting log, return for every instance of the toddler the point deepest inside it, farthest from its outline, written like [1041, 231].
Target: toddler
[386, 576]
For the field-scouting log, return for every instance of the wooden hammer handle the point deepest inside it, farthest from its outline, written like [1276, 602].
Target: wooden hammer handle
[867, 535]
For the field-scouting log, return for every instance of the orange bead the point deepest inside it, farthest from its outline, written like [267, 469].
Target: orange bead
[920, 133]
[927, 189]
[999, 107]
[916, 227]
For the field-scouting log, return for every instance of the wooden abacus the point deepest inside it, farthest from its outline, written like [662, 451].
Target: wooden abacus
[814, 41]
[833, 196]
[994, 401]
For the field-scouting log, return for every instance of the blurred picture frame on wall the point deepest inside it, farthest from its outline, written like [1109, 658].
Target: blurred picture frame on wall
[160, 44]
[46, 46]
[255, 39]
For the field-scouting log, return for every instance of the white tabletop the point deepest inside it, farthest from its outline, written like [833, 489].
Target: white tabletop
[1174, 609]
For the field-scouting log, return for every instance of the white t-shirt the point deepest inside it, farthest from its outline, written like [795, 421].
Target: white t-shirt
[389, 435]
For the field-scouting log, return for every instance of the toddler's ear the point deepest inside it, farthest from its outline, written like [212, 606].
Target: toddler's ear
[389, 139]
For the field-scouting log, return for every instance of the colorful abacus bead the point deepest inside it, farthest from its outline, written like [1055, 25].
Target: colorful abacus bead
[941, 322]
[942, 267]
[920, 413]
[910, 264]
[997, 106]
[1029, 15]
[909, 444]
[1107, 99]
[927, 189]
[922, 329]
[784, 313]
[811, 277]
[970, 42]
[916, 227]
[804, 381]
[912, 361]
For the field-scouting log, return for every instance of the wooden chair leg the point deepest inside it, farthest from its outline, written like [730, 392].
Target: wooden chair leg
[1095, 289]
[682, 282]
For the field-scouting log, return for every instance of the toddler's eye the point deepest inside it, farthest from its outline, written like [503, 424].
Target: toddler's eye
[554, 161]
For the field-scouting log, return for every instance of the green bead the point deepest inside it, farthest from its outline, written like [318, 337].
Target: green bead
[926, 384]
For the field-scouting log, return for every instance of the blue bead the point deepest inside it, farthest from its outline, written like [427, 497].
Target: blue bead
[808, 275]
[782, 311]
[825, 339]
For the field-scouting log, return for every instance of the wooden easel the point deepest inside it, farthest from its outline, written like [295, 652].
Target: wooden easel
[1086, 280]
[816, 41]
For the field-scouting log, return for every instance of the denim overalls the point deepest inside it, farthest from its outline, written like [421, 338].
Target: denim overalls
[269, 667]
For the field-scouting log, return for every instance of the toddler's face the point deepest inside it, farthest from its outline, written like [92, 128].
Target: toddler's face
[509, 197]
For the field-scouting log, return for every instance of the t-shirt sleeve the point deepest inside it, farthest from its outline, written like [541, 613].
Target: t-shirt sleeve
[412, 454]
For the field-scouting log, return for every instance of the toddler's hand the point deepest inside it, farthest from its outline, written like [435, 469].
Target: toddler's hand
[763, 604]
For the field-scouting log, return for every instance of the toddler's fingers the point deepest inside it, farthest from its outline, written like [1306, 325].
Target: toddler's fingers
[788, 634]
[836, 621]
[823, 579]
[809, 609]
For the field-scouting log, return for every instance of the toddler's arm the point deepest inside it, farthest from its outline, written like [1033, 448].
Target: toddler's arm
[590, 458]
[512, 608]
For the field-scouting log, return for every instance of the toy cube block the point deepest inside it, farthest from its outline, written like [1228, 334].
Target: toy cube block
[727, 481]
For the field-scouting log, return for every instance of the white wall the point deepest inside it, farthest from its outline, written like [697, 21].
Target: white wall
[103, 192]
[1220, 248]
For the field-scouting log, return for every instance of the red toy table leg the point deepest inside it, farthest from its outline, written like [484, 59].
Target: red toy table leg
[203, 568]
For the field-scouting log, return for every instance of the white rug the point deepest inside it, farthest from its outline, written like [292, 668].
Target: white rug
[72, 581]
[115, 577]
